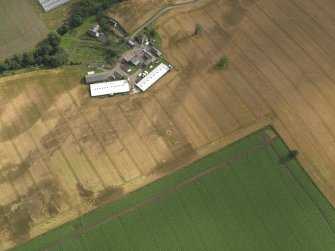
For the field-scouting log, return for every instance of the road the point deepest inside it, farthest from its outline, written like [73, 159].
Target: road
[161, 12]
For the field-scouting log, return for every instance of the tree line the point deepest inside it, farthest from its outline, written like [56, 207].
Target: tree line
[47, 54]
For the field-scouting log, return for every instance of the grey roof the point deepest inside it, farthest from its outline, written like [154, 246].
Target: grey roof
[129, 56]
[102, 38]
[156, 52]
[135, 61]
[94, 78]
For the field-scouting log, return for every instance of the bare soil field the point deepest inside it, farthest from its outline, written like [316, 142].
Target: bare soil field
[21, 27]
[63, 153]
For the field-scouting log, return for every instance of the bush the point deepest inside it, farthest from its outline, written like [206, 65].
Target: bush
[63, 29]
[197, 30]
[223, 63]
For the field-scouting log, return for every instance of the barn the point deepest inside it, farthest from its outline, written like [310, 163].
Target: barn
[109, 88]
[153, 77]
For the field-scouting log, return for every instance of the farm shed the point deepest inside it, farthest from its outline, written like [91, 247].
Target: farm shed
[153, 77]
[109, 88]
[95, 78]
[52, 4]
[156, 52]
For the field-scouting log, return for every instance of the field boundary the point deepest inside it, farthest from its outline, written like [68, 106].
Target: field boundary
[163, 193]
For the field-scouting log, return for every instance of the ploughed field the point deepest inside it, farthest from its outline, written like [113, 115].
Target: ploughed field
[282, 58]
[21, 27]
[63, 153]
[249, 195]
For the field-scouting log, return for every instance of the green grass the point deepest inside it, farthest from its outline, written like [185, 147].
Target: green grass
[251, 202]
[85, 26]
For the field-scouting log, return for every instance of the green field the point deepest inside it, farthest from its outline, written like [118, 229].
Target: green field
[239, 198]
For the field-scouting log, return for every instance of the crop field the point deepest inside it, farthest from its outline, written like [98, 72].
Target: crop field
[63, 154]
[21, 27]
[245, 196]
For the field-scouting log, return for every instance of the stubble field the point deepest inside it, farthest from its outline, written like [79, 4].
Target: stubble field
[21, 27]
[63, 153]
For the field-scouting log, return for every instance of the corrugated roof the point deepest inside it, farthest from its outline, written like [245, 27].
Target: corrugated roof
[153, 76]
[109, 88]
[94, 78]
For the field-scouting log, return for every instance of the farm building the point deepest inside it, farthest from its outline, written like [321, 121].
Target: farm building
[128, 57]
[102, 38]
[52, 4]
[143, 39]
[109, 88]
[153, 77]
[94, 31]
[156, 52]
[95, 78]
[131, 43]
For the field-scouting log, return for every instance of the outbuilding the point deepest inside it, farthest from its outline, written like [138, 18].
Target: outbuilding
[95, 78]
[156, 52]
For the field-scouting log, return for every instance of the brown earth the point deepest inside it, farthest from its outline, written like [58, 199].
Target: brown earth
[63, 153]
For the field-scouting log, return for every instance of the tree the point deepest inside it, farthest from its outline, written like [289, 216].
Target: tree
[63, 29]
[103, 22]
[293, 154]
[27, 59]
[54, 39]
[223, 63]
[76, 21]
[4, 67]
[59, 59]
[43, 50]
[18, 59]
[152, 32]
[197, 30]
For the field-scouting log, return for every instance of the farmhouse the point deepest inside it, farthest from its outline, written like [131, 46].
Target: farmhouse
[94, 31]
[95, 78]
[102, 38]
[52, 4]
[109, 88]
[153, 77]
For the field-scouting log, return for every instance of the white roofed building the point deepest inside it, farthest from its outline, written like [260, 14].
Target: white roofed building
[153, 77]
[109, 88]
